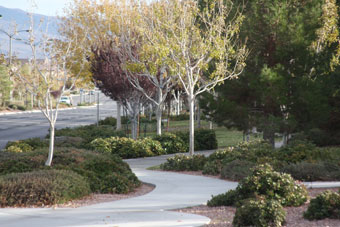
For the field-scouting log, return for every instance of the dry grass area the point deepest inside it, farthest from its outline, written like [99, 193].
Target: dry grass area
[223, 216]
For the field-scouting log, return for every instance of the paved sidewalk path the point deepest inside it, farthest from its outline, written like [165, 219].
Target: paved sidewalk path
[172, 191]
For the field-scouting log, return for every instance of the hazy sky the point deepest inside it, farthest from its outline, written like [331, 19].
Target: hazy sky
[45, 7]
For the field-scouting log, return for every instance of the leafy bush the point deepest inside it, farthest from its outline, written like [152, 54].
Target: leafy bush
[171, 143]
[225, 199]
[263, 181]
[184, 162]
[212, 167]
[108, 121]
[180, 117]
[205, 139]
[42, 187]
[128, 148]
[89, 133]
[325, 205]
[236, 169]
[259, 212]
[320, 171]
[104, 172]
[18, 146]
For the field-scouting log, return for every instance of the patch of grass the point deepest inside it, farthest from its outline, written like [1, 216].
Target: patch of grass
[157, 167]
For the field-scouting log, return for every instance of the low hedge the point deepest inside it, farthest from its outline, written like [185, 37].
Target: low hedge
[205, 139]
[264, 181]
[259, 212]
[108, 121]
[128, 148]
[25, 145]
[171, 143]
[88, 133]
[105, 173]
[42, 187]
[325, 205]
[184, 162]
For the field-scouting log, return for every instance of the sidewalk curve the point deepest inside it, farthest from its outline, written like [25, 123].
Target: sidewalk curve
[172, 191]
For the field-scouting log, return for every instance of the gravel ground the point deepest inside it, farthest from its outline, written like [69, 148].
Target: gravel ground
[101, 198]
[223, 216]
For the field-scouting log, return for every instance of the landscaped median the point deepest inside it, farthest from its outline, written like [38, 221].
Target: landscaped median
[268, 189]
[87, 159]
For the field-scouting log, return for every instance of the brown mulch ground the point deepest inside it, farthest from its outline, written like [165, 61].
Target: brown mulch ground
[102, 198]
[223, 216]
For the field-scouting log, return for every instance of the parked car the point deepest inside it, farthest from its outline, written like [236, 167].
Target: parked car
[66, 100]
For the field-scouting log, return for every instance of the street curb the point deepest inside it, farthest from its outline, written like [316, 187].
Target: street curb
[37, 111]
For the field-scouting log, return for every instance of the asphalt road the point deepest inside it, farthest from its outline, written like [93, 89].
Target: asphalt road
[27, 125]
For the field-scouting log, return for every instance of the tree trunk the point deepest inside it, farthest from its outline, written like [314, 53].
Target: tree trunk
[51, 147]
[269, 135]
[191, 100]
[119, 119]
[134, 128]
[198, 116]
[159, 112]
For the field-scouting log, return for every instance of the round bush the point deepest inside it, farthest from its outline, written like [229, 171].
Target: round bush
[259, 212]
[226, 199]
[18, 146]
[273, 185]
[236, 170]
[325, 205]
[184, 162]
[212, 167]
[43, 187]
[171, 143]
[108, 121]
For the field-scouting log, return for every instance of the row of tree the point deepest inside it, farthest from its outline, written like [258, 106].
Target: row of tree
[139, 52]
[291, 82]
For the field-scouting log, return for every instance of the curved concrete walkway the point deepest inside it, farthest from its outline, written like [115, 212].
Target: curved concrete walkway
[172, 191]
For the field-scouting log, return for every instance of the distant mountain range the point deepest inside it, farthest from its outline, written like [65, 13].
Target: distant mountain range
[21, 19]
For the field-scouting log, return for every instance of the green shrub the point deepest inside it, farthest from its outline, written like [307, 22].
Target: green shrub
[89, 133]
[259, 212]
[18, 146]
[98, 169]
[108, 121]
[221, 154]
[298, 151]
[205, 139]
[43, 187]
[183, 162]
[180, 117]
[128, 148]
[236, 170]
[319, 137]
[226, 199]
[325, 205]
[171, 143]
[212, 167]
[319, 171]
[273, 185]
[263, 181]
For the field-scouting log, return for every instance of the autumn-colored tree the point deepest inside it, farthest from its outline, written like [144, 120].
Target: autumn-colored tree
[110, 77]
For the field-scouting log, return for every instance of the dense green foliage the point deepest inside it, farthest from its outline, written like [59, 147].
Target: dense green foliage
[283, 70]
[205, 139]
[108, 121]
[88, 133]
[184, 162]
[128, 148]
[171, 143]
[264, 181]
[41, 188]
[259, 212]
[103, 172]
[325, 205]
